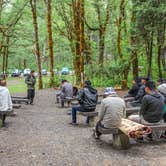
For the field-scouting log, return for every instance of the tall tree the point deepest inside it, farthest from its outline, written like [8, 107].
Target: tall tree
[37, 48]
[78, 19]
[50, 41]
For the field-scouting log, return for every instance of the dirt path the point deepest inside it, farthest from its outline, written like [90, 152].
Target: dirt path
[40, 136]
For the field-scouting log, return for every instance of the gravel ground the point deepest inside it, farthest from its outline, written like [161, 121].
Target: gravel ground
[40, 136]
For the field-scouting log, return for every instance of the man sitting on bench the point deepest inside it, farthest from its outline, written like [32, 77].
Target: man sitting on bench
[140, 94]
[134, 89]
[5, 101]
[87, 98]
[111, 113]
[66, 93]
[151, 111]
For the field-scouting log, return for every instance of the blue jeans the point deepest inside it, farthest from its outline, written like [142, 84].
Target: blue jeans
[79, 109]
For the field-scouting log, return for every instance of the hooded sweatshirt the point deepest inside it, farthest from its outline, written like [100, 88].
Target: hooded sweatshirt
[5, 99]
[152, 107]
[87, 98]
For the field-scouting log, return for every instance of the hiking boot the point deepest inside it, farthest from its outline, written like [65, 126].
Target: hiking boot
[73, 123]
[140, 140]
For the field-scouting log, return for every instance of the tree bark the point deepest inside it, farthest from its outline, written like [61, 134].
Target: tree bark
[37, 48]
[78, 19]
[150, 56]
[119, 24]
[134, 55]
[50, 41]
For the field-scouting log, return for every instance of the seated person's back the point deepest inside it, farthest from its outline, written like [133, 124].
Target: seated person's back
[67, 89]
[112, 109]
[87, 97]
[152, 107]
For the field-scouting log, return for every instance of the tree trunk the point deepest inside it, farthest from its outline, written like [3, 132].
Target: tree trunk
[160, 45]
[119, 26]
[50, 42]
[25, 63]
[101, 47]
[37, 51]
[134, 55]
[78, 15]
[150, 50]
[7, 52]
[102, 30]
[82, 41]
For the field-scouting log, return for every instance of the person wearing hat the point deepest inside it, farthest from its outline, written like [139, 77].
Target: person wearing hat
[112, 111]
[87, 98]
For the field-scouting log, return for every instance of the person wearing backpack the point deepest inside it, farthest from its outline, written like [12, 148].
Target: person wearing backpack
[87, 98]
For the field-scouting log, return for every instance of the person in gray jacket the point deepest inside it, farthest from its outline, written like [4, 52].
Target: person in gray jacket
[66, 92]
[112, 111]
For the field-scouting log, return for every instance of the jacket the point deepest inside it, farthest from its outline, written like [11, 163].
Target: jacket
[152, 107]
[133, 91]
[112, 111]
[140, 94]
[5, 100]
[87, 98]
[30, 81]
[67, 90]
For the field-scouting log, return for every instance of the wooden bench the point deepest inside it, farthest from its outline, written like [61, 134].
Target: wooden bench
[16, 100]
[132, 110]
[120, 140]
[91, 115]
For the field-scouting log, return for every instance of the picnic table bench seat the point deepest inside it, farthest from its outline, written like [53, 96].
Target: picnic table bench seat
[91, 115]
[17, 100]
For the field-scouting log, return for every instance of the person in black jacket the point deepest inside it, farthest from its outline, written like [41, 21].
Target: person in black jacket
[141, 92]
[134, 89]
[31, 81]
[87, 98]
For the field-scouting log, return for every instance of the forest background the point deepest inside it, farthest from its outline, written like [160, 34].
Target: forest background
[109, 42]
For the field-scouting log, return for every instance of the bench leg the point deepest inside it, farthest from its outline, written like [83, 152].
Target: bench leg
[2, 118]
[120, 141]
[92, 121]
[1, 124]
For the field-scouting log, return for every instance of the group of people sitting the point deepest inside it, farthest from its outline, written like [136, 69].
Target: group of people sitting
[152, 104]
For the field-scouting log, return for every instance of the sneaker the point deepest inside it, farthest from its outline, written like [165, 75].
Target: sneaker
[163, 136]
[95, 135]
[140, 140]
[74, 124]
